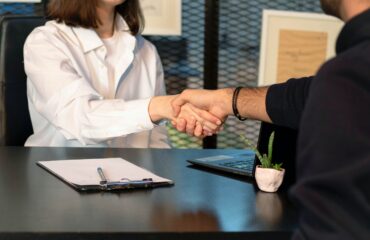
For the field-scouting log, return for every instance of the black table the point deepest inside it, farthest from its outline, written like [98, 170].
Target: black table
[201, 205]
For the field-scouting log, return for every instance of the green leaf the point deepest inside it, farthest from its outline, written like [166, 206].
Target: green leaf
[250, 145]
[266, 163]
[270, 145]
[265, 159]
[277, 166]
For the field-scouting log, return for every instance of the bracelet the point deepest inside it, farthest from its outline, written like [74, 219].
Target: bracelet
[235, 109]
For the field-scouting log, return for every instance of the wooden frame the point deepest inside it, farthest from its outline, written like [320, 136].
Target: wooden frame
[162, 17]
[21, 1]
[295, 44]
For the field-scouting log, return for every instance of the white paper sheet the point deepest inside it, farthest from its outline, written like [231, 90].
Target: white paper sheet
[84, 171]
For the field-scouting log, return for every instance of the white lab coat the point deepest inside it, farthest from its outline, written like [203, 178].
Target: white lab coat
[69, 99]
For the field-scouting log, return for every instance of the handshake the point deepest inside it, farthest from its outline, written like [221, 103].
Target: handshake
[201, 113]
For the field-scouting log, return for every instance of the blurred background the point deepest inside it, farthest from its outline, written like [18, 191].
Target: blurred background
[219, 47]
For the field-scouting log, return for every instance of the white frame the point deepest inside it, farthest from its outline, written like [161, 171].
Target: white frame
[168, 20]
[22, 1]
[274, 21]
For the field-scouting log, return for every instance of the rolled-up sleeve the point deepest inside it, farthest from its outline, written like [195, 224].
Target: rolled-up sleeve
[285, 101]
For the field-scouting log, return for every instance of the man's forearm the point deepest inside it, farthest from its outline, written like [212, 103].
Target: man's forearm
[251, 103]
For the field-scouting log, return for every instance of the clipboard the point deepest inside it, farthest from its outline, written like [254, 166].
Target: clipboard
[118, 174]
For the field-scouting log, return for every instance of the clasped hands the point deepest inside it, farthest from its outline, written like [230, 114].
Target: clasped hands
[201, 112]
[195, 121]
[196, 112]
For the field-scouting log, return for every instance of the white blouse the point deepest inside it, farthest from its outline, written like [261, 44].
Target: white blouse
[71, 100]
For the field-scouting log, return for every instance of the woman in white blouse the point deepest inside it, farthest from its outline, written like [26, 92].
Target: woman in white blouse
[93, 80]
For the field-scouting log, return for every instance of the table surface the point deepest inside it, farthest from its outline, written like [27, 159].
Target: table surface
[202, 204]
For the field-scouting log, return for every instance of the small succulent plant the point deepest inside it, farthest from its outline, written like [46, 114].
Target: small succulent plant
[265, 159]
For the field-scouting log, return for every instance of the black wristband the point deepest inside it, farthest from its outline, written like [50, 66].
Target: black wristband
[235, 109]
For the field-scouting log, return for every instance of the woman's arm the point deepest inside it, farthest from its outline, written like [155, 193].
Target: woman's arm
[67, 99]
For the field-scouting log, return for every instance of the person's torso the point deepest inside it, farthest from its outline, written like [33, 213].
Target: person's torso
[133, 76]
[333, 161]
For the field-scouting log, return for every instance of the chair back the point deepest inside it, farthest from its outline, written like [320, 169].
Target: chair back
[15, 122]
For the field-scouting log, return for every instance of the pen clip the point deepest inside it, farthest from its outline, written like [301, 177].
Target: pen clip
[102, 176]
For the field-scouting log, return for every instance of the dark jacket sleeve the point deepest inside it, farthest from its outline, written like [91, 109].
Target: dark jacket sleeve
[285, 101]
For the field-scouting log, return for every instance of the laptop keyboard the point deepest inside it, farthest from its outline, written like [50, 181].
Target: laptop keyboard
[242, 164]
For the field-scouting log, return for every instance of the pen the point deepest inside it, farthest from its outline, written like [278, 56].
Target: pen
[102, 176]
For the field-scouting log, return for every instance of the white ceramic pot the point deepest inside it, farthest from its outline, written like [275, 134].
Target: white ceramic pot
[269, 179]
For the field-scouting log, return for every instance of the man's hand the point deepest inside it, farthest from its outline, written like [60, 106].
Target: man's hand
[216, 102]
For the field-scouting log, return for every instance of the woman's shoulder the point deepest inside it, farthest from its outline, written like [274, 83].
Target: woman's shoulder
[50, 29]
[52, 33]
[145, 44]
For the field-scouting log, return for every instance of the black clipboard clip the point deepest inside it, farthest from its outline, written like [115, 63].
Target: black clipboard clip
[124, 183]
[127, 184]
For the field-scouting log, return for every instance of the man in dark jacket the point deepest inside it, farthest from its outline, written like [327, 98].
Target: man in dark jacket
[332, 113]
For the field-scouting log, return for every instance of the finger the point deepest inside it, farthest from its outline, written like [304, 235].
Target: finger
[190, 127]
[198, 130]
[177, 103]
[210, 126]
[207, 133]
[173, 122]
[207, 116]
[180, 125]
[207, 119]
[208, 129]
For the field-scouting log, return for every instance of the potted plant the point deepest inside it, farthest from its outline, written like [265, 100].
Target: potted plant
[269, 176]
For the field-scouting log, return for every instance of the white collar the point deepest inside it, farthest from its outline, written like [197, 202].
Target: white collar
[87, 38]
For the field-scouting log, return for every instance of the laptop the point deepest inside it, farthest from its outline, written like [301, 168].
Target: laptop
[237, 163]
[244, 163]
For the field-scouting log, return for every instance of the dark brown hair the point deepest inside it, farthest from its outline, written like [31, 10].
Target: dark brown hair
[82, 13]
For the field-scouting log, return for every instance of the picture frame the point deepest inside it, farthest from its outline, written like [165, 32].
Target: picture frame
[295, 44]
[162, 17]
[20, 1]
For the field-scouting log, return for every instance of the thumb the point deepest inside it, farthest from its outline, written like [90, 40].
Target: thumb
[176, 105]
